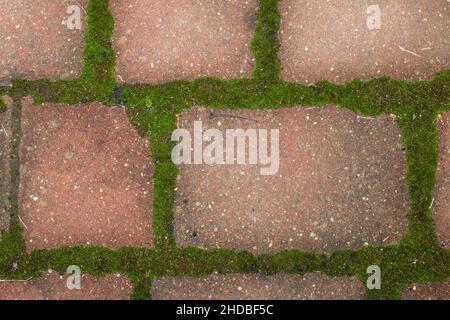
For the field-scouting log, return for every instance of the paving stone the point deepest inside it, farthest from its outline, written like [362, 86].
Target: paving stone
[36, 42]
[5, 153]
[340, 184]
[441, 203]
[312, 286]
[431, 291]
[86, 177]
[331, 39]
[162, 40]
[52, 286]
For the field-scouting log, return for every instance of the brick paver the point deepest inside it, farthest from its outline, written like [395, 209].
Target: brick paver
[341, 183]
[163, 40]
[52, 286]
[330, 39]
[431, 291]
[5, 153]
[312, 286]
[36, 42]
[441, 203]
[86, 177]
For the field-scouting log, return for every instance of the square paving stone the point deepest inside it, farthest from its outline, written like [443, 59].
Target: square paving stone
[162, 40]
[337, 40]
[52, 286]
[441, 203]
[430, 291]
[312, 286]
[36, 40]
[86, 177]
[340, 184]
[5, 154]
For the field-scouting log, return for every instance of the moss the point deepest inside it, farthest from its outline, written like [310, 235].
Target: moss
[2, 103]
[342, 263]
[292, 261]
[142, 285]
[99, 58]
[12, 253]
[400, 266]
[265, 44]
[153, 109]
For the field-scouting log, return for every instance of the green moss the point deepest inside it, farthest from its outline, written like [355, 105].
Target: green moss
[292, 261]
[12, 253]
[153, 109]
[265, 44]
[99, 59]
[2, 103]
[142, 285]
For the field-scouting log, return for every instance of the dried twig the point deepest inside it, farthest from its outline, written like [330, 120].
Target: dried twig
[12, 280]
[409, 51]
[4, 130]
[214, 114]
[21, 221]
[362, 117]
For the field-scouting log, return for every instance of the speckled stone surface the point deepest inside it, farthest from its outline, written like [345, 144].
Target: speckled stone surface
[36, 42]
[441, 202]
[85, 177]
[430, 291]
[162, 40]
[340, 184]
[312, 286]
[330, 39]
[52, 286]
[5, 154]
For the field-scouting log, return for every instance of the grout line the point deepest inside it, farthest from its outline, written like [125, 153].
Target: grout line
[15, 158]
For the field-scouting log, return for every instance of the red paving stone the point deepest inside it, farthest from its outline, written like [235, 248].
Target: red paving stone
[441, 204]
[312, 286]
[36, 42]
[331, 40]
[86, 177]
[163, 40]
[5, 152]
[53, 286]
[341, 183]
[431, 291]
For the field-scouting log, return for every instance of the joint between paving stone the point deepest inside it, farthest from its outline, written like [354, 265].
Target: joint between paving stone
[15, 159]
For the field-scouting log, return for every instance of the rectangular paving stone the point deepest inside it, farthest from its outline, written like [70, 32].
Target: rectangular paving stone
[430, 291]
[339, 40]
[86, 177]
[5, 154]
[312, 286]
[441, 203]
[340, 184]
[36, 42]
[162, 40]
[52, 286]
